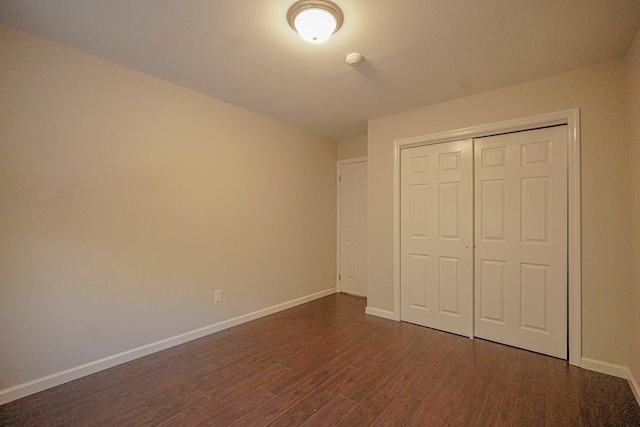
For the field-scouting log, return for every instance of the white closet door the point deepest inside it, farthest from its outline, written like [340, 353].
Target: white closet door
[436, 236]
[521, 240]
[353, 229]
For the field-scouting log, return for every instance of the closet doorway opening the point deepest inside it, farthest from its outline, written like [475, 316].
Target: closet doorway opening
[480, 300]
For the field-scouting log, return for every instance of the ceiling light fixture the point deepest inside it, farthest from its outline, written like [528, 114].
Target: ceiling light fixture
[315, 20]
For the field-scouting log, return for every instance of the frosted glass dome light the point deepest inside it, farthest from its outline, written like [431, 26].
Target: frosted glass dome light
[315, 25]
[315, 20]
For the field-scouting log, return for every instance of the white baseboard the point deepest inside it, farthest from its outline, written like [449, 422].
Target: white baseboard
[40, 384]
[604, 367]
[635, 387]
[614, 370]
[382, 313]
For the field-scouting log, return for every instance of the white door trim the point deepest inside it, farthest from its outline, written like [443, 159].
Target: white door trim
[339, 163]
[571, 118]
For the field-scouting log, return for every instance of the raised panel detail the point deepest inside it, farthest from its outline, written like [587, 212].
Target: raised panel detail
[449, 210]
[352, 260]
[492, 289]
[352, 209]
[494, 157]
[535, 210]
[534, 291]
[352, 177]
[418, 280]
[419, 164]
[493, 199]
[536, 153]
[418, 211]
[449, 281]
[450, 162]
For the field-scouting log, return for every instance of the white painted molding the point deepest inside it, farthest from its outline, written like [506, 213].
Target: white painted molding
[515, 125]
[396, 228]
[40, 384]
[382, 313]
[571, 118]
[635, 387]
[574, 239]
[604, 367]
[354, 160]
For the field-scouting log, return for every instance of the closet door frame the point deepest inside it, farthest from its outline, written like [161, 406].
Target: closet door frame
[571, 118]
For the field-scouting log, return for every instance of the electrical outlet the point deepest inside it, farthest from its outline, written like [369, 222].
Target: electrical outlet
[218, 295]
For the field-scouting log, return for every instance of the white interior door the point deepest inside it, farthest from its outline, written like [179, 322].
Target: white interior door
[521, 239]
[436, 256]
[352, 277]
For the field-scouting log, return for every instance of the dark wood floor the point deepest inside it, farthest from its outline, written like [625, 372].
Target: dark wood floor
[326, 363]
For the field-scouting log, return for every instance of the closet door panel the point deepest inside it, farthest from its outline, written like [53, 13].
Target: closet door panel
[436, 236]
[521, 239]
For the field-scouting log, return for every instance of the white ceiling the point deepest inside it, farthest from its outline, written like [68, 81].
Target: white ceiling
[418, 52]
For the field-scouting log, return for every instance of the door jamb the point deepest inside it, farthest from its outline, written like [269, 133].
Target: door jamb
[339, 164]
[571, 118]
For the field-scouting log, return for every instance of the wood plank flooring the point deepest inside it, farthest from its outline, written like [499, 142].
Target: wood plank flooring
[326, 363]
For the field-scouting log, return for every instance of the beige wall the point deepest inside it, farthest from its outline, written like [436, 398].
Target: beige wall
[599, 92]
[125, 201]
[352, 148]
[634, 197]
